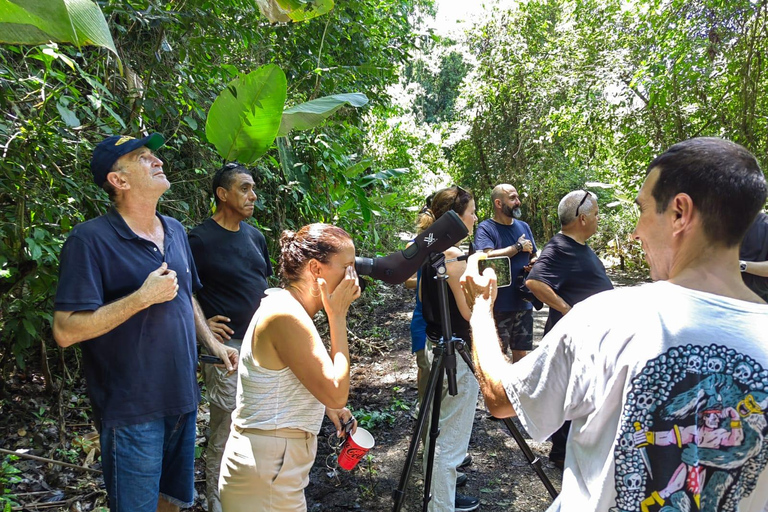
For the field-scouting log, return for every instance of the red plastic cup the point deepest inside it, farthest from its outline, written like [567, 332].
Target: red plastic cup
[355, 447]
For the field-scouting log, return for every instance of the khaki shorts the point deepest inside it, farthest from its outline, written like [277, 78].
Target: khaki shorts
[266, 470]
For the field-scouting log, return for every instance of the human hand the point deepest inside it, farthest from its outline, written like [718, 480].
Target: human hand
[339, 417]
[221, 331]
[229, 355]
[160, 286]
[478, 287]
[527, 244]
[529, 266]
[337, 303]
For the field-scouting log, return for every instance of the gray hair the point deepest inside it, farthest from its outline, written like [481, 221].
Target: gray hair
[566, 210]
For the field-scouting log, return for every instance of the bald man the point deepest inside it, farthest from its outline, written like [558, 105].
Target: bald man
[506, 235]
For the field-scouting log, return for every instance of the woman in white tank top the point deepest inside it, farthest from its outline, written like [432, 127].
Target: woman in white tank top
[286, 378]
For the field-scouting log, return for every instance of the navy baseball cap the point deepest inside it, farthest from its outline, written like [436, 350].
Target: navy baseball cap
[110, 149]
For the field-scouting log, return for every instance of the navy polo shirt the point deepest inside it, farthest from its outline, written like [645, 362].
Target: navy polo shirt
[143, 369]
[493, 235]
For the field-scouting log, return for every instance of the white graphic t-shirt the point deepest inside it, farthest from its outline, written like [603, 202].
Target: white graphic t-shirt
[667, 390]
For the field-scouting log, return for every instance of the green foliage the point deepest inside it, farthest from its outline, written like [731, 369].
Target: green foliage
[57, 102]
[41, 21]
[8, 476]
[244, 119]
[312, 113]
[566, 93]
[293, 10]
[369, 420]
[436, 98]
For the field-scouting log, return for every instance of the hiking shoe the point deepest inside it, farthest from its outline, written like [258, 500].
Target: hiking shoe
[461, 479]
[466, 502]
[466, 462]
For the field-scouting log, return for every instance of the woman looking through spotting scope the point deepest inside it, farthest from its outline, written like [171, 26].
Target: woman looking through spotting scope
[456, 412]
[287, 379]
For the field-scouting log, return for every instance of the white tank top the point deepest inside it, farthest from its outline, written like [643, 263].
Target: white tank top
[272, 399]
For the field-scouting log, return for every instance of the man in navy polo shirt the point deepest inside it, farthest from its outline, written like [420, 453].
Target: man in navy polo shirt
[125, 291]
[506, 235]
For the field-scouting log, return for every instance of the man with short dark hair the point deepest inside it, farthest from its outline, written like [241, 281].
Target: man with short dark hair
[506, 235]
[233, 265]
[753, 256]
[567, 272]
[664, 383]
[125, 291]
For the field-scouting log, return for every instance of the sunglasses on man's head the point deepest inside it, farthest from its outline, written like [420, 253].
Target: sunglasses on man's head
[586, 195]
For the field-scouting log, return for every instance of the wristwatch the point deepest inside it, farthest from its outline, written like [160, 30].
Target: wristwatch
[743, 266]
[519, 247]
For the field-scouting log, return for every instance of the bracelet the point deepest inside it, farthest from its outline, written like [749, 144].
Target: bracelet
[736, 424]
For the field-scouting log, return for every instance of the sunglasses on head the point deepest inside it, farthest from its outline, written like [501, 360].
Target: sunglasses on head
[586, 195]
[459, 192]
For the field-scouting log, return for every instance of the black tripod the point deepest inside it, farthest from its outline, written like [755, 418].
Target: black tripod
[444, 362]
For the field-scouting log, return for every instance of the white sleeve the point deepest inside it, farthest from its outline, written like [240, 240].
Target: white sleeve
[553, 383]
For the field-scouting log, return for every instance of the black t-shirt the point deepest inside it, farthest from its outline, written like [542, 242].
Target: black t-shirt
[754, 247]
[572, 270]
[233, 267]
[430, 307]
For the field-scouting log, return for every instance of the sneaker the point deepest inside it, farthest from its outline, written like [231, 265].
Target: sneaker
[461, 479]
[466, 462]
[466, 502]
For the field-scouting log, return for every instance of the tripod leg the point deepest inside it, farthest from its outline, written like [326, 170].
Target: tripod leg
[435, 374]
[434, 432]
[533, 460]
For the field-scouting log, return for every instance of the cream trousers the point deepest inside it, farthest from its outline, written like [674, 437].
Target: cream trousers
[266, 470]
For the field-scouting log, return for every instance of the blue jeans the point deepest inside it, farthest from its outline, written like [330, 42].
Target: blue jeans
[144, 461]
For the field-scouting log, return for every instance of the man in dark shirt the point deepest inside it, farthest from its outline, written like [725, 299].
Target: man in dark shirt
[753, 255]
[567, 272]
[506, 235]
[125, 291]
[233, 265]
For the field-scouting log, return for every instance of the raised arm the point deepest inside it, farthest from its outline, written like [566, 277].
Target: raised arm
[522, 245]
[299, 346]
[70, 327]
[490, 363]
[758, 268]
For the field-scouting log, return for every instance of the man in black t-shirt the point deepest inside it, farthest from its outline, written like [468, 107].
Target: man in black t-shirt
[233, 265]
[753, 255]
[567, 272]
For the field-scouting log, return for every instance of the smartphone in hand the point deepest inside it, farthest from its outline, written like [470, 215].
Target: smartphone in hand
[500, 265]
[209, 359]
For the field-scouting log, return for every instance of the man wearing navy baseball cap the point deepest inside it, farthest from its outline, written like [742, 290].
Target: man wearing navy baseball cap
[126, 284]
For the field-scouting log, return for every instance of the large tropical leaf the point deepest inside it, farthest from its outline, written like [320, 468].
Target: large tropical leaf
[243, 120]
[293, 10]
[310, 114]
[80, 22]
